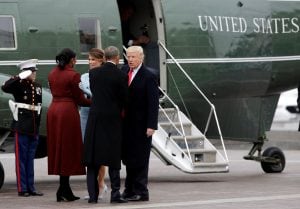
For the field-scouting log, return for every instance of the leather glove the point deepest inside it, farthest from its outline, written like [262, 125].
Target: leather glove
[25, 74]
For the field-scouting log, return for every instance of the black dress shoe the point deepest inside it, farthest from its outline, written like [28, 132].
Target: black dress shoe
[36, 193]
[138, 198]
[24, 194]
[125, 194]
[92, 201]
[118, 200]
[75, 197]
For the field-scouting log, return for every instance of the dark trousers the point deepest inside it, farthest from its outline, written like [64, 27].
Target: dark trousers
[25, 147]
[137, 180]
[114, 176]
[92, 182]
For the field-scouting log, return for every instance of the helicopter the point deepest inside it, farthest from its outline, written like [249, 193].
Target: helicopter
[222, 62]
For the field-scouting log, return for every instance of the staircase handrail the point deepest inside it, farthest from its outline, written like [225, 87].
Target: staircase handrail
[180, 121]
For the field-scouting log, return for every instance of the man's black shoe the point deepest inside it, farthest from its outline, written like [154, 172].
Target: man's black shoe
[23, 194]
[138, 198]
[118, 200]
[93, 201]
[125, 194]
[36, 193]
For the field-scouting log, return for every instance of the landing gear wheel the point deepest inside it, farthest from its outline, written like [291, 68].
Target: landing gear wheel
[273, 152]
[1, 175]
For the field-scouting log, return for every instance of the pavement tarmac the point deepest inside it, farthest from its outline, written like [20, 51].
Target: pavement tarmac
[245, 186]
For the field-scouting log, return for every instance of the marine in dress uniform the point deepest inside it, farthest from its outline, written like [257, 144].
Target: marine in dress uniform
[27, 115]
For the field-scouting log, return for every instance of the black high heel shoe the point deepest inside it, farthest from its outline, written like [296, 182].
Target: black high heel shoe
[61, 198]
[71, 194]
[64, 192]
[65, 196]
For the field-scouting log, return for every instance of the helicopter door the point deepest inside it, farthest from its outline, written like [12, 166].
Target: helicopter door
[146, 19]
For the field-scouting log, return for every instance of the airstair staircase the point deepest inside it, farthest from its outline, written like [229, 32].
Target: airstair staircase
[180, 143]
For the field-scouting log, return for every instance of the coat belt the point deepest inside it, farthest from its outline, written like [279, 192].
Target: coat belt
[62, 99]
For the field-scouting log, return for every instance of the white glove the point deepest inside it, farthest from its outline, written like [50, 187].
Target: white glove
[85, 89]
[81, 86]
[25, 74]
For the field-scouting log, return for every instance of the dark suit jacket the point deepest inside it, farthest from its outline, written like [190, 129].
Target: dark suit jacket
[103, 136]
[142, 113]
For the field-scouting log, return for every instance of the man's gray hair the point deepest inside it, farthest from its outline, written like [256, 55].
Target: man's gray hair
[137, 49]
[111, 52]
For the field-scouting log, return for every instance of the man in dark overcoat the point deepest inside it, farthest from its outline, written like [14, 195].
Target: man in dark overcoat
[103, 136]
[140, 122]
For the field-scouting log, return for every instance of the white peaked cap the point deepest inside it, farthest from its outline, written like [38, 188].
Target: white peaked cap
[28, 64]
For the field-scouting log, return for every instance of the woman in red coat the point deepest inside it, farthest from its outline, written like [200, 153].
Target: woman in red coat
[64, 137]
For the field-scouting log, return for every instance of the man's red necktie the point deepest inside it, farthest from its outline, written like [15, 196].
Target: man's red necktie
[130, 76]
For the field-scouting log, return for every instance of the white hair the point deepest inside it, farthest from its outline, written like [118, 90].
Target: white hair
[138, 49]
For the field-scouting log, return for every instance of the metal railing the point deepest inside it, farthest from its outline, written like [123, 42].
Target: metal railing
[182, 132]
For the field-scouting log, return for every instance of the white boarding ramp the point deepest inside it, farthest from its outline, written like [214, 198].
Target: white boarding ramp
[178, 142]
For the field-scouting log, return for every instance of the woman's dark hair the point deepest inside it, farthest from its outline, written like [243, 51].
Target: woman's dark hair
[64, 57]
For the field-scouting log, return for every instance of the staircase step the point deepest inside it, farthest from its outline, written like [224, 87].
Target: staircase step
[169, 128]
[194, 142]
[201, 151]
[189, 137]
[202, 155]
[168, 110]
[171, 113]
[201, 164]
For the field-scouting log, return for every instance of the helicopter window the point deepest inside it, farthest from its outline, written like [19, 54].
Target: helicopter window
[7, 33]
[89, 34]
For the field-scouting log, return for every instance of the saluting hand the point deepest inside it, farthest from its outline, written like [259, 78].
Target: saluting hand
[25, 74]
